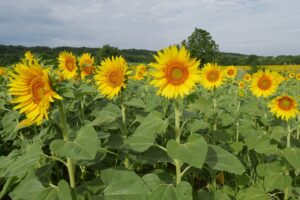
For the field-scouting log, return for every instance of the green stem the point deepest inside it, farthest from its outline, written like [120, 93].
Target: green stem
[64, 130]
[214, 107]
[288, 138]
[298, 129]
[177, 135]
[123, 110]
[237, 131]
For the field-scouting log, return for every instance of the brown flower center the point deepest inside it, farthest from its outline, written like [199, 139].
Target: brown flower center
[70, 64]
[115, 79]
[285, 103]
[264, 83]
[176, 74]
[88, 70]
[213, 75]
[230, 72]
[37, 89]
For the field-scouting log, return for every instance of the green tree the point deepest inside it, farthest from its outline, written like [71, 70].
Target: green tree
[108, 51]
[202, 46]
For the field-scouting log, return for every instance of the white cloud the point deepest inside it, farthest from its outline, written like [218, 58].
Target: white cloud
[265, 27]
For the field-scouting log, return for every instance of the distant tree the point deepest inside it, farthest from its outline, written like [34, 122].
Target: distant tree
[108, 51]
[202, 46]
[253, 60]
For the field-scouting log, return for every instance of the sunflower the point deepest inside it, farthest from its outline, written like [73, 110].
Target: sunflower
[110, 77]
[31, 88]
[140, 72]
[175, 73]
[212, 76]
[298, 76]
[86, 65]
[67, 65]
[241, 84]
[231, 72]
[291, 75]
[284, 107]
[247, 77]
[265, 83]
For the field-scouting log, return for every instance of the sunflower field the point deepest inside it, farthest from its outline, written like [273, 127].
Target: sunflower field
[167, 130]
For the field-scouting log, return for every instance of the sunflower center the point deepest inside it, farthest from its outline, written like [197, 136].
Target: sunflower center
[285, 103]
[37, 89]
[176, 74]
[70, 65]
[230, 72]
[88, 70]
[115, 79]
[212, 76]
[264, 83]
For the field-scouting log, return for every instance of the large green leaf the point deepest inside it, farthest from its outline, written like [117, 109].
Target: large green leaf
[212, 195]
[28, 189]
[84, 147]
[169, 192]
[64, 191]
[277, 181]
[220, 159]
[292, 155]
[254, 192]
[144, 135]
[123, 184]
[192, 152]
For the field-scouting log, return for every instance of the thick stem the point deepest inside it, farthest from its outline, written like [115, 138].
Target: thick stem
[214, 107]
[177, 134]
[237, 131]
[63, 122]
[123, 110]
[298, 128]
[288, 137]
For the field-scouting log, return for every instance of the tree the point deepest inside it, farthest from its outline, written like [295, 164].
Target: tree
[202, 46]
[108, 51]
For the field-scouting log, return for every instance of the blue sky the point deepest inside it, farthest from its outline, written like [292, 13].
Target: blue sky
[263, 27]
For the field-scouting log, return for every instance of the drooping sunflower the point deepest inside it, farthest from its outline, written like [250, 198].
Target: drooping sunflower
[175, 73]
[212, 76]
[31, 90]
[86, 64]
[231, 72]
[67, 65]
[284, 107]
[298, 76]
[264, 83]
[111, 76]
[140, 72]
[247, 77]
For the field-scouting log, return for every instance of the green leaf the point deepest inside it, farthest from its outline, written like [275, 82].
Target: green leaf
[292, 155]
[164, 192]
[136, 102]
[152, 181]
[122, 184]
[23, 162]
[28, 189]
[198, 125]
[84, 147]
[64, 191]
[201, 104]
[106, 115]
[213, 195]
[254, 192]
[144, 135]
[193, 152]
[184, 191]
[220, 159]
[277, 181]
[49, 193]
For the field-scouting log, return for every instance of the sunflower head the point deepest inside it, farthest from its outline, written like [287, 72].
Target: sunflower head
[212, 76]
[32, 93]
[265, 83]
[241, 84]
[175, 73]
[67, 65]
[247, 77]
[298, 76]
[86, 64]
[231, 72]
[111, 76]
[284, 107]
[291, 75]
[140, 72]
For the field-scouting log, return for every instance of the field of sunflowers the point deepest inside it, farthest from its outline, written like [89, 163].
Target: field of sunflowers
[167, 130]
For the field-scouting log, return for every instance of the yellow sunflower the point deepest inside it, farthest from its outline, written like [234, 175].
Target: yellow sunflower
[175, 73]
[31, 88]
[231, 72]
[298, 76]
[212, 76]
[111, 76]
[264, 83]
[86, 64]
[140, 72]
[247, 77]
[67, 65]
[241, 84]
[291, 75]
[284, 107]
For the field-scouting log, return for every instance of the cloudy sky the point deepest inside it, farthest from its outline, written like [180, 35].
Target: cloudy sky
[263, 27]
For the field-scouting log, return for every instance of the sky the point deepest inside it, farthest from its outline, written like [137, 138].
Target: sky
[262, 27]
